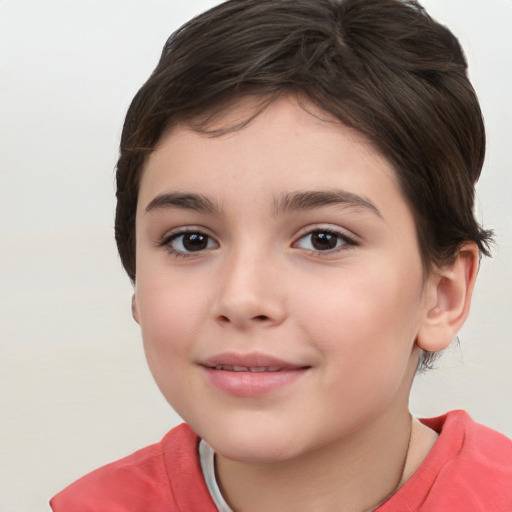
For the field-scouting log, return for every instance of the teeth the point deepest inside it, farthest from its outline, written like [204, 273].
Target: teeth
[252, 369]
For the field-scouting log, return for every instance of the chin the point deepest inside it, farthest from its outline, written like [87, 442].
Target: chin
[256, 452]
[251, 442]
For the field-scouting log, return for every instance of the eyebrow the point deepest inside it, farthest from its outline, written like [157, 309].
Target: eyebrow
[310, 200]
[187, 201]
[290, 202]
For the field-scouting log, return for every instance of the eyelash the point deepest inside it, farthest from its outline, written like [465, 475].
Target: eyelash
[167, 241]
[345, 242]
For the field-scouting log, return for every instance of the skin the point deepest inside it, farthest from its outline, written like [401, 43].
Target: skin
[352, 317]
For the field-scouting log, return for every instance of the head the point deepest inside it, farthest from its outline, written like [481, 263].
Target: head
[295, 187]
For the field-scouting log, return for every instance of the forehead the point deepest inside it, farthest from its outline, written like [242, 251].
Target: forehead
[289, 145]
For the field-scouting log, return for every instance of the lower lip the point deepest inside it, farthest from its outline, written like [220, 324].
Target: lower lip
[252, 384]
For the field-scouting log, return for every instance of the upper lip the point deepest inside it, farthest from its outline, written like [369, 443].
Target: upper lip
[250, 360]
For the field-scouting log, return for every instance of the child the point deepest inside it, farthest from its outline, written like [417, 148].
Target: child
[295, 196]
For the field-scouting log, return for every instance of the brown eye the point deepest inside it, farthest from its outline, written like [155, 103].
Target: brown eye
[323, 241]
[194, 241]
[184, 243]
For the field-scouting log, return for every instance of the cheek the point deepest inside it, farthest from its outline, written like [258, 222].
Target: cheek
[168, 329]
[170, 316]
[367, 319]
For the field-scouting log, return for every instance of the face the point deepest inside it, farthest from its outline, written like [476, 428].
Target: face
[279, 283]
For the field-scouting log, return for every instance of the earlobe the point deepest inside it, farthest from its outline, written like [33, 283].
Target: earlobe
[135, 311]
[449, 300]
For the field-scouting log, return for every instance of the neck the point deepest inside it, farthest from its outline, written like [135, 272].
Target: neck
[355, 474]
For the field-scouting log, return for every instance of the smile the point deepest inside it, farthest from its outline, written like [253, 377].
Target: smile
[253, 369]
[251, 375]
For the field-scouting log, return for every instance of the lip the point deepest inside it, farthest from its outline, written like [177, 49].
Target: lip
[250, 360]
[252, 374]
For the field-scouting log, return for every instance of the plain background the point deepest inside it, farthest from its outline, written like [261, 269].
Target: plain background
[74, 389]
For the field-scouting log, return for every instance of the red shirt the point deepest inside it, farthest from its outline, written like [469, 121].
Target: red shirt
[469, 469]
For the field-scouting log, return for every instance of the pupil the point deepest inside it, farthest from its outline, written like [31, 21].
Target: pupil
[324, 241]
[195, 242]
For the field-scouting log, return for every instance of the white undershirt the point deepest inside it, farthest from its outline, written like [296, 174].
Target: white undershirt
[207, 459]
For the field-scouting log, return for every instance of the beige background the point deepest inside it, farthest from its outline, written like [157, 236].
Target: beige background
[74, 389]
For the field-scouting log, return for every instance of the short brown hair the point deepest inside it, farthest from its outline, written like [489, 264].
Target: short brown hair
[383, 67]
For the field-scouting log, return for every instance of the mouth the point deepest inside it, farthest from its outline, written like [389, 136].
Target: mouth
[251, 375]
[251, 369]
[249, 362]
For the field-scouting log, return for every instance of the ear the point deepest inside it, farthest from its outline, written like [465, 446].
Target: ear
[135, 311]
[448, 298]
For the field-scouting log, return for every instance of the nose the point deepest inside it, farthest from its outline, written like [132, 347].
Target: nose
[250, 292]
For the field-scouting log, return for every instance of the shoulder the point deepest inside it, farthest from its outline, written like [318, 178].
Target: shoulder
[477, 463]
[468, 469]
[149, 480]
[477, 449]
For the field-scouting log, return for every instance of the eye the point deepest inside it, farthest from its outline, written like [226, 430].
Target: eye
[188, 242]
[323, 240]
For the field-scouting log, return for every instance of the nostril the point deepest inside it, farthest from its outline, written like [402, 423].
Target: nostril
[258, 318]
